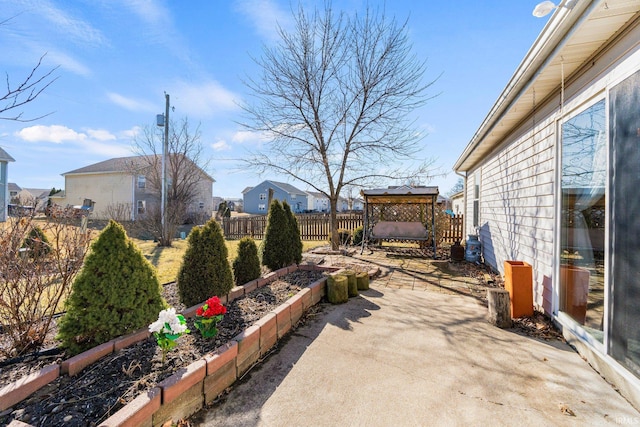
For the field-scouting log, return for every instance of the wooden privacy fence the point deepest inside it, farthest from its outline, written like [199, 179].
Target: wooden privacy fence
[312, 226]
[455, 230]
[316, 227]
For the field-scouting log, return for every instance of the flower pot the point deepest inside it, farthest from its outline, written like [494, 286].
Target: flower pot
[518, 280]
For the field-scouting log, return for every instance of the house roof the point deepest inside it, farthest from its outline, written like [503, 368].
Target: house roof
[39, 193]
[572, 39]
[119, 165]
[5, 157]
[14, 187]
[288, 188]
[246, 190]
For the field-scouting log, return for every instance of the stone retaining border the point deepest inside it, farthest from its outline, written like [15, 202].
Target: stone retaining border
[200, 383]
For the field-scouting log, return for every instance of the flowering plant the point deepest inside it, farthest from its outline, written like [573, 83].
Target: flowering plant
[208, 316]
[167, 329]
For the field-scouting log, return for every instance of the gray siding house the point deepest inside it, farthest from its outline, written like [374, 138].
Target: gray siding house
[5, 158]
[552, 180]
[256, 199]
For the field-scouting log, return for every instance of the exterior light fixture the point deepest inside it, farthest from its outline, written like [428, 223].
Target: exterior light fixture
[545, 7]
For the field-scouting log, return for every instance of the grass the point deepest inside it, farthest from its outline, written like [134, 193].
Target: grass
[167, 261]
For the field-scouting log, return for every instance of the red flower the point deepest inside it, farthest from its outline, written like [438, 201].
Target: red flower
[211, 308]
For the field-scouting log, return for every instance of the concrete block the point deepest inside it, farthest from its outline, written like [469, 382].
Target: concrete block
[282, 271]
[305, 295]
[218, 381]
[182, 380]
[138, 412]
[250, 286]
[248, 348]
[77, 363]
[268, 332]
[318, 290]
[183, 406]
[221, 356]
[127, 340]
[19, 390]
[235, 292]
[283, 319]
[296, 308]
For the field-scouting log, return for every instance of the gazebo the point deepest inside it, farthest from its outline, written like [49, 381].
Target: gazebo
[402, 214]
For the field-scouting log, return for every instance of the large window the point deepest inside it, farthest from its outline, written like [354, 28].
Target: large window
[142, 181]
[624, 135]
[582, 251]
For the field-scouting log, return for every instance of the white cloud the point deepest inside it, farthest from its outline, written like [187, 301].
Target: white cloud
[203, 100]
[92, 141]
[150, 11]
[265, 15]
[132, 104]
[67, 62]
[130, 133]
[54, 133]
[245, 136]
[221, 146]
[76, 29]
[101, 134]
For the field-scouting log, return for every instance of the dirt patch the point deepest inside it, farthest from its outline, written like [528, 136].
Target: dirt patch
[107, 385]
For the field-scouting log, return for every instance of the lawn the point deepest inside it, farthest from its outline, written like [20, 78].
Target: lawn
[167, 260]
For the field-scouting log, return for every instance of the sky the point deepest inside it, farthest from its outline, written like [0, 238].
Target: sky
[116, 60]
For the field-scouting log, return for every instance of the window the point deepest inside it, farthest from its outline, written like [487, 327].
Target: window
[262, 207]
[142, 181]
[263, 196]
[583, 214]
[201, 205]
[141, 206]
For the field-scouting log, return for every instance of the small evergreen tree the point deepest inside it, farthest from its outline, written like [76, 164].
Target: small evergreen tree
[275, 246]
[246, 266]
[116, 292]
[293, 235]
[37, 243]
[205, 270]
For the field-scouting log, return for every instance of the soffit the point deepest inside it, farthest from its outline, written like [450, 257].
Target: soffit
[540, 74]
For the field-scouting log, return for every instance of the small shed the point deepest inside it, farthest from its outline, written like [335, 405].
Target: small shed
[5, 158]
[404, 214]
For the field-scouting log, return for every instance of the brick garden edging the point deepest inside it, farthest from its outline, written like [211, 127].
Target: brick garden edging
[191, 387]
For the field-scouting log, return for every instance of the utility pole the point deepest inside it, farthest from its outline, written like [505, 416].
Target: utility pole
[165, 149]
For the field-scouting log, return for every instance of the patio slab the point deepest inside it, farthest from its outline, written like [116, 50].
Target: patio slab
[421, 354]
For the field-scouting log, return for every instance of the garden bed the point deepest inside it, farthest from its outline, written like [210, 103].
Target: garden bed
[116, 379]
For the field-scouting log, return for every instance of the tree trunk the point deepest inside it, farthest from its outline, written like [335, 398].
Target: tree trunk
[335, 238]
[499, 308]
[351, 282]
[362, 280]
[337, 289]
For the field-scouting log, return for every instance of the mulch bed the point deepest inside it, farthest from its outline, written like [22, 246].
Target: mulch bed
[107, 385]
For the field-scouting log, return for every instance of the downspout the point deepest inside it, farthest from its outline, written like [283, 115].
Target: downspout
[464, 201]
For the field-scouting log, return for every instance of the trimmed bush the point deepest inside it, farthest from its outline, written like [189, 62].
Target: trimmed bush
[205, 270]
[358, 234]
[294, 235]
[246, 266]
[116, 292]
[275, 248]
[37, 243]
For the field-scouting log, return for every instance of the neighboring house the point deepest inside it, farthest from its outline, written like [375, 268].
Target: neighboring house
[5, 158]
[256, 199]
[14, 189]
[552, 180]
[123, 185]
[457, 203]
[318, 202]
[35, 197]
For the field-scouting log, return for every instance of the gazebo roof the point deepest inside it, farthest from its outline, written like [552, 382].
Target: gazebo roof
[401, 195]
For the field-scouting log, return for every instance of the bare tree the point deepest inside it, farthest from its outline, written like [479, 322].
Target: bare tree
[334, 101]
[186, 167]
[24, 91]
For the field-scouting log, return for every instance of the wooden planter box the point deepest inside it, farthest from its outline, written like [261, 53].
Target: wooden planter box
[518, 281]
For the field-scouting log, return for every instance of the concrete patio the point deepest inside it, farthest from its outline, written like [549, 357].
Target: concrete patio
[415, 349]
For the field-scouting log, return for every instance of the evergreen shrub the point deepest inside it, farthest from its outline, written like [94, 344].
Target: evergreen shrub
[246, 266]
[37, 243]
[293, 235]
[275, 247]
[205, 270]
[358, 234]
[116, 292]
